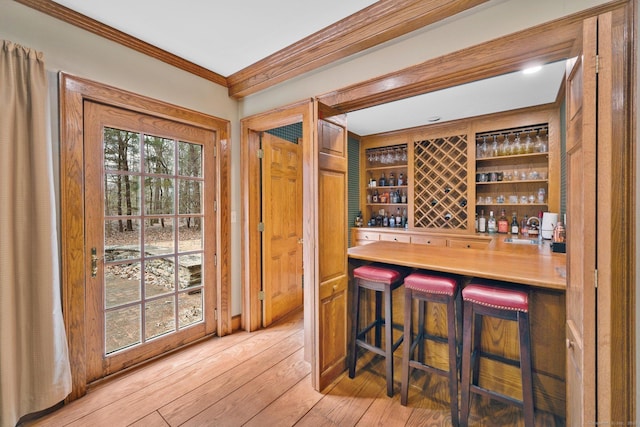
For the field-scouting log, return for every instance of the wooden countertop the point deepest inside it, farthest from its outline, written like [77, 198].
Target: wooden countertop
[534, 266]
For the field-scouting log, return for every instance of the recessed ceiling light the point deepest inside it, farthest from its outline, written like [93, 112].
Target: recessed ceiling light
[434, 119]
[532, 70]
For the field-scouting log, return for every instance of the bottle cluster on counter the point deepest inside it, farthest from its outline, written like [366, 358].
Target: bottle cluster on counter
[397, 219]
[527, 227]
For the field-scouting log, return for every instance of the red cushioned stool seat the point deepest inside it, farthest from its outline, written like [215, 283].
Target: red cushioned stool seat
[481, 298]
[377, 273]
[382, 280]
[427, 287]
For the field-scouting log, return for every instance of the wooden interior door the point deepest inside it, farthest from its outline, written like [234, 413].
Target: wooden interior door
[282, 235]
[332, 271]
[582, 232]
[150, 236]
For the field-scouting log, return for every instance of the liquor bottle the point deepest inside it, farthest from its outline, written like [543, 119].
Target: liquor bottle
[398, 218]
[375, 196]
[492, 226]
[482, 222]
[385, 221]
[514, 225]
[392, 221]
[503, 223]
[401, 179]
[476, 222]
[382, 181]
[392, 179]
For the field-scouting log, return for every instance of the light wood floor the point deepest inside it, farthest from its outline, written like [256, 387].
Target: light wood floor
[261, 379]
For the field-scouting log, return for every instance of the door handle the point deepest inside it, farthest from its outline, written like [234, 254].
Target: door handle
[94, 262]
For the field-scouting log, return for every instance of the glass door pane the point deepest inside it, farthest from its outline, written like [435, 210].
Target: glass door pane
[153, 237]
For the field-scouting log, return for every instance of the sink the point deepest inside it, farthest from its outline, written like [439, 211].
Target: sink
[521, 241]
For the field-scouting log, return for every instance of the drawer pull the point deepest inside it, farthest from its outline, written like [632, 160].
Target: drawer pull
[395, 239]
[428, 242]
[469, 246]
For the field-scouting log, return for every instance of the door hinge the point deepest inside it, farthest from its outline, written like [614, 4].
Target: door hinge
[215, 259]
[215, 313]
[260, 153]
[215, 206]
[261, 227]
[261, 296]
[595, 278]
[302, 283]
[215, 150]
[597, 64]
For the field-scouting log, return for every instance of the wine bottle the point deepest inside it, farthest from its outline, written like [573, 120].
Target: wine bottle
[503, 223]
[492, 226]
[482, 223]
[515, 228]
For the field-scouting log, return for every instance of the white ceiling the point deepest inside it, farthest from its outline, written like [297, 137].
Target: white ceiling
[502, 93]
[222, 36]
[227, 36]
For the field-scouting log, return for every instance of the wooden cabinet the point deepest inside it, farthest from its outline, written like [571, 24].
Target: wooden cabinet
[513, 172]
[364, 236]
[451, 171]
[385, 185]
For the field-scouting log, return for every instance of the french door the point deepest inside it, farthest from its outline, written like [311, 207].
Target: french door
[150, 236]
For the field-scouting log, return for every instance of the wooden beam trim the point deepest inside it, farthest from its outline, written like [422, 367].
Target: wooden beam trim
[376, 24]
[551, 41]
[69, 16]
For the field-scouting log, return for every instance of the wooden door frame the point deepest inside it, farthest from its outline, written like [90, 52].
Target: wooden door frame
[251, 202]
[73, 91]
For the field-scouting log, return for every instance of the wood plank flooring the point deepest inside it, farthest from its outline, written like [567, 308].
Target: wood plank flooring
[261, 379]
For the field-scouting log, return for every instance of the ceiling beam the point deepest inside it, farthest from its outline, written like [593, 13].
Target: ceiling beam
[376, 24]
[79, 20]
[549, 42]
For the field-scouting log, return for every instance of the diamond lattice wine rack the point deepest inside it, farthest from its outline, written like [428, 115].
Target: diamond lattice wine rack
[440, 183]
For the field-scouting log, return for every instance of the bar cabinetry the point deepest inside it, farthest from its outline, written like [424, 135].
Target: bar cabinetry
[386, 186]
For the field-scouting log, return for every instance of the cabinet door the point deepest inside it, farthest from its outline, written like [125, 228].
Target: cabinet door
[581, 215]
[332, 276]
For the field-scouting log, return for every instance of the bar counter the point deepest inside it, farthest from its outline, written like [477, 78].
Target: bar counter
[534, 267]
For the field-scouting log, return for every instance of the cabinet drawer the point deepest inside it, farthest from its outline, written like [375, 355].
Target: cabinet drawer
[367, 236]
[404, 238]
[429, 240]
[467, 243]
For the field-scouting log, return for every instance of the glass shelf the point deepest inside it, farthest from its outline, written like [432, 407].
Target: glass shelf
[519, 181]
[512, 157]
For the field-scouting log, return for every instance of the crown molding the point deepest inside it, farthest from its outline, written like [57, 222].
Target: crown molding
[69, 16]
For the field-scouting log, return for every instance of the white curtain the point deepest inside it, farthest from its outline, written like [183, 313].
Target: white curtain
[34, 363]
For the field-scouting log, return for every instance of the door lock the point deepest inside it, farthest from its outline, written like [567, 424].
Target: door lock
[94, 262]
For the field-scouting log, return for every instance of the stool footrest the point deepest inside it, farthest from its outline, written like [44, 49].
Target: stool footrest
[427, 368]
[497, 396]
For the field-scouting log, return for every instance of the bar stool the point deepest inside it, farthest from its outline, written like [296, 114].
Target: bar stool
[426, 287]
[383, 280]
[482, 298]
